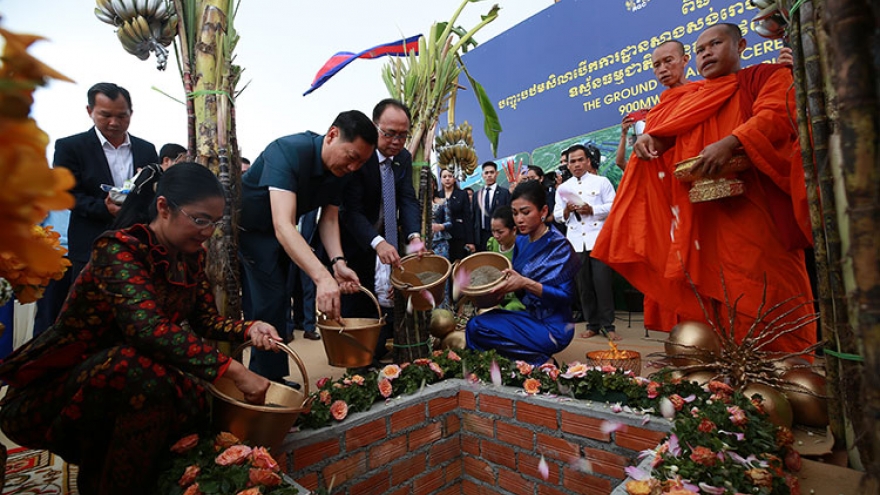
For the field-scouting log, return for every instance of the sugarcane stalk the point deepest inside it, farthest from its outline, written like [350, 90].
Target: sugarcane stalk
[850, 26]
[184, 56]
[813, 132]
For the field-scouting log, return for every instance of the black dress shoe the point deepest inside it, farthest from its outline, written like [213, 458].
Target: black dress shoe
[312, 335]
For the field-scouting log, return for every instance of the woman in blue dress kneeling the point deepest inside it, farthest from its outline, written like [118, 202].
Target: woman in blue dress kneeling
[543, 274]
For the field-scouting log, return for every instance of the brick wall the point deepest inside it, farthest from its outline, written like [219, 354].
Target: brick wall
[456, 438]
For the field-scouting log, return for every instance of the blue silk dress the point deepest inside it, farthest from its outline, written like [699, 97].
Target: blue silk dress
[546, 326]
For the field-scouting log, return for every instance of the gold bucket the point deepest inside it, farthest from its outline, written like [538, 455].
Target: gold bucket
[420, 263]
[351, 344]
[262, 425]
[481, 295]
[717, 187]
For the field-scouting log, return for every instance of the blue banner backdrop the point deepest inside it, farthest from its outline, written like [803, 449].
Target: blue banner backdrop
[579, 66]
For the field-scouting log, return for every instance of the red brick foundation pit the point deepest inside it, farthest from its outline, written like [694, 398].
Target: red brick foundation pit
[454, 438]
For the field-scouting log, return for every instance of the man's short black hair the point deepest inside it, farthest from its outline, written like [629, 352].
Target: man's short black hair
[353, 124]
[171, 151]
[489, 164]
[591, 152]
[380, 107]
[109, 90]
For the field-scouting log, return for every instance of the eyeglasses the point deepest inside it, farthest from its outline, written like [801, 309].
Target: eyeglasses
[394, 136]
[201, 223]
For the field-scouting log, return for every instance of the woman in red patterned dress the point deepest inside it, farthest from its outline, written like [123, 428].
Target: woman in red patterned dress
[116, 379]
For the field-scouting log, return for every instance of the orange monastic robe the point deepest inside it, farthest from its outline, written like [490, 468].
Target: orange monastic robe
[656, 238]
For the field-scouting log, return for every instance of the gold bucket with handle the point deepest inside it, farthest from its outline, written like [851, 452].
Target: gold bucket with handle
[261, 425]
[351, 342]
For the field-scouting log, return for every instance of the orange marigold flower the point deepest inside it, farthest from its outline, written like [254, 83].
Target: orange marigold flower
[233, 455]
[185, 444]
[263, 477]
[189, 475]
[532, 386]
[325, 397]
[339, 410]
[193, 490]
[261, 458]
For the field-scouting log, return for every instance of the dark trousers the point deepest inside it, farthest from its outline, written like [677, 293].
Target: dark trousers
[482, 237]
[300, 285]
[50, 304]
[596, 293]
[264, 281]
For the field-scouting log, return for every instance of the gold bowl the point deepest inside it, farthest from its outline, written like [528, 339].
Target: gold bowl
[625, 360]
[481, 295]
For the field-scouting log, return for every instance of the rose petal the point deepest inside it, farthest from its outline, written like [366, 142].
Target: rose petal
[495, 374]
[415, 246]
[543, 468]
[667, 408]
[712, 490]
[612, 426]
[426, 294]
[636, 473]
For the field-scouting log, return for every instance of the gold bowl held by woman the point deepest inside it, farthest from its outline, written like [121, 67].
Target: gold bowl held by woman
[478, 275]
[266, 424]
[431, 271]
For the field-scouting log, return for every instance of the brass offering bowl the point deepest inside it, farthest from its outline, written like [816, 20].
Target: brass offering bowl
[716, 187]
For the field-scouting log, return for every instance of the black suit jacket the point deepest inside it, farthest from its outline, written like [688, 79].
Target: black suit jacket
[83, 156]
[462, 220]
[362, 207]
[500, 197]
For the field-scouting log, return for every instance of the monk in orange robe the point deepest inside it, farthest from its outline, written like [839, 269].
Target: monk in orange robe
[657, 239]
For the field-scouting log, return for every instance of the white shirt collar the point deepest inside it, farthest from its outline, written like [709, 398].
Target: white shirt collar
[382, 157]
[105, 142]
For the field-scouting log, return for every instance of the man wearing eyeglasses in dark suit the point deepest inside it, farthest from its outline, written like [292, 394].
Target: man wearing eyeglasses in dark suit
[380, 213]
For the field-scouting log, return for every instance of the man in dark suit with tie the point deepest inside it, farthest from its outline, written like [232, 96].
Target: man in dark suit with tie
[105, 154]
[379, 211]
[486, 200]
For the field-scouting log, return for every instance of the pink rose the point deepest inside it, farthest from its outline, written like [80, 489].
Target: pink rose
[793, 460]
[532, 386]
[322, 381]
[607, 368]
[261, 458]
[524, 368]
[185, 444]
[233, 455]
[737, 416]
[385, 388]
[263, 477]
[325, 397]
[452, 356]
[189, 475]
[390, 371]
[339, 410]
[224, 440]
[436, 369]
[357, 380]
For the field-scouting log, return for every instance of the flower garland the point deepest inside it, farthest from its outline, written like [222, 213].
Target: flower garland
[30, 188]
[721, 441]
[221, 465]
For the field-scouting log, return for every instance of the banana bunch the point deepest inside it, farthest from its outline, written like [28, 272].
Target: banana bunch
[142, 26]
[455, 148]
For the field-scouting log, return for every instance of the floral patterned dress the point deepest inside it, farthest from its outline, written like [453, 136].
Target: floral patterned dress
[115, 380]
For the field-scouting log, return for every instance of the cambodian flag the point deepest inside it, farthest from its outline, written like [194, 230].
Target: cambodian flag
[397, 48]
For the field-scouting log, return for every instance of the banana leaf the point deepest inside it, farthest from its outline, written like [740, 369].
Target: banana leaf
[491, 122]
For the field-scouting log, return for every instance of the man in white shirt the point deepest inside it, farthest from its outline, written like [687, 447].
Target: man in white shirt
[583, 203]
[105, 154]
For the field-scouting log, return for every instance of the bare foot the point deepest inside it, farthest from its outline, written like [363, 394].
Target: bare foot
[589, 334]
[612, 335]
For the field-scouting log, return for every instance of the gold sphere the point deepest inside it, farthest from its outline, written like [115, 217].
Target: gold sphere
[787, 364]
[692, 342]
[774, 403]
[808, 409]
[454, 340]
[442, 322]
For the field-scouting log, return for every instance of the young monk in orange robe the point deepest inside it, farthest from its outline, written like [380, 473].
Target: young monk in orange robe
[656, 238]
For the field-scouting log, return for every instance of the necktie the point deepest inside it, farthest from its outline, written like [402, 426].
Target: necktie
[389, 203]
[487, 209]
